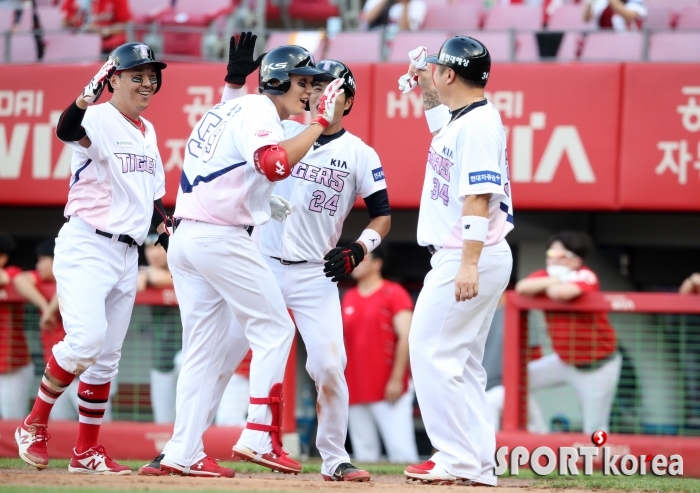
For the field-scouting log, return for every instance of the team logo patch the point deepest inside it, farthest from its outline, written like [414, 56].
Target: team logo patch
[263, 133]
[378, 174]
[484, 177]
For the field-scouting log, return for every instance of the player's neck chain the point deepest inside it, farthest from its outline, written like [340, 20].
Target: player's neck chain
[138, 124]
[464, 109]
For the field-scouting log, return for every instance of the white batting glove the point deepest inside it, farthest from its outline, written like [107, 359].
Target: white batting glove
[92, 91]
[326, 108]
[280, 208]
[418, 60]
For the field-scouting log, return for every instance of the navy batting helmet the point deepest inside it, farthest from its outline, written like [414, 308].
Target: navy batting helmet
[467, 56]
[279, 63]
[333, 69]
[130, 55]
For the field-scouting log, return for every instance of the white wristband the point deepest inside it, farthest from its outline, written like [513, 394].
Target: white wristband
[475, 228]
[231, 93]
[437, 117]
[370, 238]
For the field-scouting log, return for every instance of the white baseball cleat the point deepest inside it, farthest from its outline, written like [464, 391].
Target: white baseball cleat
[430, 473]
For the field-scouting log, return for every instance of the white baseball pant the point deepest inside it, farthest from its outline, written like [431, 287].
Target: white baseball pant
[446, 345]
[96, 285]
[14, 392]
[218, 271]
[595, 388]
[394, 422]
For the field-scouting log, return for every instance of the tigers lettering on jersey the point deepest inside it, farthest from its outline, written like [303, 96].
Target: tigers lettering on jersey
[331, 178]
[133, 162]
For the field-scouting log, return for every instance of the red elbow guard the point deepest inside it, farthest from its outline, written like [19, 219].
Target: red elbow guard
[272, 162]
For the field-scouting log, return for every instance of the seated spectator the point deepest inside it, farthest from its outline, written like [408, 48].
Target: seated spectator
[39, 287]
[407, 15]
[691, 285]
[585, 344]
[167, 333]
[620, 15]
[108, 18]
[16, 368]
[376, 320]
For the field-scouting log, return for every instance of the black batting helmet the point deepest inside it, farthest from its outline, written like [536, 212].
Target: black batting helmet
[130, 55]
[333, 69]
[467, 56]
[277, 65]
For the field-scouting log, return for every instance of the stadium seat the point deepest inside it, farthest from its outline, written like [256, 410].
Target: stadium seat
[499, 44]
[312, 10]
[61, 47]
[570, 47]
[658, 17]
[467, 17]
[689, 17]
[190, 14]
[6, 17]
[311, 40]
[526, 48]
[514, 17]
[406, 41]
[567, 18]
[355, 47]
[146, 12]
[613, 47]
[674, 47]
[49, 17]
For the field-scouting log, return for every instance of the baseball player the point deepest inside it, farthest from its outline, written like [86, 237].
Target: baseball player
[117, 179]
[16, 368]
[465, 214]
[235, 155]
[585, 344]
[326, 183]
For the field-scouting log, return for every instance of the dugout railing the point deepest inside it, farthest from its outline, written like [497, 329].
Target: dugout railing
[657, 403]
[152, 342]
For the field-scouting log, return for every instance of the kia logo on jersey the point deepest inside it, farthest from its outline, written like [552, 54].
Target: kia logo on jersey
[378, 174]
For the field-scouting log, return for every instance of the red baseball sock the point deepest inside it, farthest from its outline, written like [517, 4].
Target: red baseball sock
[92, 402]
[49, 392]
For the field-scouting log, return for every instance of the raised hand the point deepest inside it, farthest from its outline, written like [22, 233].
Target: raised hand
[240, 58]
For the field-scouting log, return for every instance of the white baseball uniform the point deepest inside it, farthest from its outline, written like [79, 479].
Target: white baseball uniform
[447, 338]
[322, 189]
[219, 274]
[113, 185]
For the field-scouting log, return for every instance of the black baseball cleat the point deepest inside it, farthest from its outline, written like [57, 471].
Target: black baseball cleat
[348, 472]
[153, 469]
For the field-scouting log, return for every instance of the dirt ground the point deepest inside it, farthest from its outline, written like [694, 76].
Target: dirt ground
[243, 481]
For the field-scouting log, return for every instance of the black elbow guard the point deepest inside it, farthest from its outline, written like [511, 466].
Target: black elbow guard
[68, 128]
[378, 204]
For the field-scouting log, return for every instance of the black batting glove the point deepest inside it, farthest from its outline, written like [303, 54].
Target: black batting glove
[240, 58]
[163, 240]
[341, 261]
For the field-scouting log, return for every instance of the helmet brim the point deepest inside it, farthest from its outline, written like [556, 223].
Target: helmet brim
[305, 71]
[433, 59]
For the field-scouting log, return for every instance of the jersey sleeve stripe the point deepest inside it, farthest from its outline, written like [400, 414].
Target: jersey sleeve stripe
[187, 186]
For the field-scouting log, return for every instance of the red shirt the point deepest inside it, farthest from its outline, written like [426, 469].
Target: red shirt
[104, 13]
[370, 339]
[580, 338]
[53, 335]
[14, 352]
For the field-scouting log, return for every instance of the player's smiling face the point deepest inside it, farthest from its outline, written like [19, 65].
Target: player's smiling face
[297, 97]
[134, 88]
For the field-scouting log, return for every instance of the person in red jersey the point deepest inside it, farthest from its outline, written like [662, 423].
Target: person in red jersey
[39, 287]
[16, 369]
[585, 344]
[376, 320]
[107, 18]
